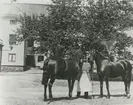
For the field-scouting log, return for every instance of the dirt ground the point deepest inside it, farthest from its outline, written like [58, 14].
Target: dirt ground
[25, 88]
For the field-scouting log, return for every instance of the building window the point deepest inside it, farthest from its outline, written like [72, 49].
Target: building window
[0, 54]
[12, 39]
[40, 58]
[13, 21]
[11, 57]
[30, 42]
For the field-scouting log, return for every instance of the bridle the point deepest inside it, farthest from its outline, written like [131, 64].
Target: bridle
[94, 54]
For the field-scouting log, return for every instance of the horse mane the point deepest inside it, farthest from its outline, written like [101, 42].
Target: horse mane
[102, 55]
[53, 57]
[56, 58]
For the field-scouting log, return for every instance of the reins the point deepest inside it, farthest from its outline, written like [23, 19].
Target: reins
[107, 58]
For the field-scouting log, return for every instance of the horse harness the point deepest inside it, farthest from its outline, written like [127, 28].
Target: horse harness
[66, 65]
[54, 62]
[107, 61]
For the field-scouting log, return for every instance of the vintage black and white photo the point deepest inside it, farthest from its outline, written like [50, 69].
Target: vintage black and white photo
[60, 52]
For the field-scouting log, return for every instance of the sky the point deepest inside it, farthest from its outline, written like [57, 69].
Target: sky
[27, 1]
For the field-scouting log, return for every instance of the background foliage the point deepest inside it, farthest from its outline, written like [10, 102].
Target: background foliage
[73, 24]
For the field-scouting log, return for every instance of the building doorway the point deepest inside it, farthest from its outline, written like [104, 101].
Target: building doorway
[30, 60]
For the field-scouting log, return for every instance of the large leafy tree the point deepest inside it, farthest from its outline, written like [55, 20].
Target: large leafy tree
[59, 30]
[72, 22]
[108, 20]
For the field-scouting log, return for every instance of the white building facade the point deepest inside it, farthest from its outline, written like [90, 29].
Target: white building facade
[17, 56]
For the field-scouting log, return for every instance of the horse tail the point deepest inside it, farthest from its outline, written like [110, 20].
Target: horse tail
[45, 64]
[49, 67]
[45, 74]
[124, 64]
[128, 70]
[129, 66]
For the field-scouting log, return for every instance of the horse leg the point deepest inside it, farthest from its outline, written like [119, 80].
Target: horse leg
[69, 86]
[128, 79]
[45, 81]
[45, 92]
[78, 84]
[125, 83]
[128, 90]
[101, 86]
[52, 79]
[73, 81]
[107, 86]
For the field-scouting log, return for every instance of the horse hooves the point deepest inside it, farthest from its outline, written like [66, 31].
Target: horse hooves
[108, 97]
[78, 94]
[100, 96]
[125, 94]
[128, 96]
[70, 96]
[45, 99]
[50, 96]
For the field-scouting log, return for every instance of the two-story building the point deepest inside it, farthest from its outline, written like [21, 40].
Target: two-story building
[16, 56]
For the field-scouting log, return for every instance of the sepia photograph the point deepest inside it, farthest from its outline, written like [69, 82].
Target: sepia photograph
[66, 52]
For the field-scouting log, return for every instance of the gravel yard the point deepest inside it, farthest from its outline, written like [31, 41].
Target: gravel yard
[25, 88]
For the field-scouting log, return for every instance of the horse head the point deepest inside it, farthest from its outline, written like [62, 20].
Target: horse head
[93, 55]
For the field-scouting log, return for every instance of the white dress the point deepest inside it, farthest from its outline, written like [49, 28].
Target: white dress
[85, 84]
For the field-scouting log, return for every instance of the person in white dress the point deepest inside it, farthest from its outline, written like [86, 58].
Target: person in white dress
[84, 85]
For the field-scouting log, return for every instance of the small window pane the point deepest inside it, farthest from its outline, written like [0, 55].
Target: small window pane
[40, 58]
[12, 57]
[0, 54]
[30, 42]
[12, 39]
[13, 21]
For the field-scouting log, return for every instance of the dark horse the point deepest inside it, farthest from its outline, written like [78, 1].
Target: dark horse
[107, 69]
[56, 67]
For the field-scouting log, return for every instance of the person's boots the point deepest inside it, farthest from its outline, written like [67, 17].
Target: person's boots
[78, 94]
[86, 95]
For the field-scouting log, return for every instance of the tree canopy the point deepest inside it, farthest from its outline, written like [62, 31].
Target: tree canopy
[71, 24]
